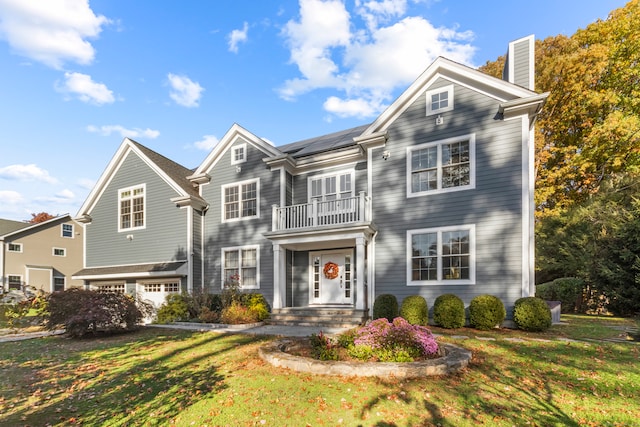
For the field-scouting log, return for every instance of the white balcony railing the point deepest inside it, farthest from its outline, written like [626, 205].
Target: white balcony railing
[322, 213]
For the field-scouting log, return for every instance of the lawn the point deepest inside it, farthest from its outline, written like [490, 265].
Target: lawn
[171, 377]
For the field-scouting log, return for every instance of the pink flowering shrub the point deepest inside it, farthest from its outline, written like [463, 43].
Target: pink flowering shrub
[398, 341]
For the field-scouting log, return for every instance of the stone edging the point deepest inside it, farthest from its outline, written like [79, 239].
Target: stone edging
[455, 359]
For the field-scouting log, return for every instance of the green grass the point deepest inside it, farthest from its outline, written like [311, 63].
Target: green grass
[183, 378]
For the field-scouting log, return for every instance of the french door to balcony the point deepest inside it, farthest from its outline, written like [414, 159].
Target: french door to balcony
[331, 277]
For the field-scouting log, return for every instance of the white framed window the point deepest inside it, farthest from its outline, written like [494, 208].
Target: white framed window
[439, 256]
[14, 247]
[59, 252]
[441, 166]
[131, 208]
[15, 281]
[241, 200]
[67, 230]
[111, 287]
[58, 283]
[439, 100]
[240, 265]
[239, 154]
[327, 187]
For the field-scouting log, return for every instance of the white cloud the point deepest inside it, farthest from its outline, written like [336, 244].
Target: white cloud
[64, 196]
[86, 183]
[238, 36]
[206, 143]
[29, 172]
[107, 130]
[8, 197]
[86, 89]
[184, 91]
[367, 64]
[51, 31]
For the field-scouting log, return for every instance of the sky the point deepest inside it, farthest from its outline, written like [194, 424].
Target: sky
[78, 76]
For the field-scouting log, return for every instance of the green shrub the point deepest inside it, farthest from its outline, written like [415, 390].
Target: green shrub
[385, 306]
[257, 305]
[347, 338]
[81, 312]
[568, 290]
[532, 314]
[448, 311]
[175, 308]
[323, 347]
[414, 310]
[486, 312]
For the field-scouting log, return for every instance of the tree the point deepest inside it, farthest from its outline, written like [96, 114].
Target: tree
[590, 127]
[40, 217]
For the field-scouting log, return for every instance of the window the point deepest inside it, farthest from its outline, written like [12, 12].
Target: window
[58, 284]
[240, 265]
[441, 256]
[111, 288]
[240, 201]
[439, 100]
[131, 210]
[167, 287]
[15, 282]
[59, 252]
[441, 166]
[331, 187]
[14, 247]
[67, 230]
[239, 154]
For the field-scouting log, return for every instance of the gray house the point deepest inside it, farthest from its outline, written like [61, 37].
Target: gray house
[435, 196]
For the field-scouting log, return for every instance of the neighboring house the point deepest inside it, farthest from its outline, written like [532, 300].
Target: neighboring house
[41, 256]
[435, 196]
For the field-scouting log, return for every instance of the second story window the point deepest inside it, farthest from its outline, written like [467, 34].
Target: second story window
[240, 200]
[441, 166]
[67, 230]
[131, 208]
[14, 247]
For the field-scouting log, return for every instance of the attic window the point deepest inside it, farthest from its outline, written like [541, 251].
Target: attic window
[440, 100]
[131, 208]
[239, 154]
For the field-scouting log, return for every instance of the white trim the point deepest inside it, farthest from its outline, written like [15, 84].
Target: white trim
[28, 279]
[132, 188]
[54, 249]
[190, 250]
[532, 55]
[240, 249]
[234, 149]
[437, 91]
[472, 165]
[528, 209]
[471, 228]
[239, 185]
[353, 284]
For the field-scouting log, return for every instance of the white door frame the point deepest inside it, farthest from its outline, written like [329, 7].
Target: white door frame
[317, 280]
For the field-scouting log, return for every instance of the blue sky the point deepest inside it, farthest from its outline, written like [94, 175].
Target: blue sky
[77, 76]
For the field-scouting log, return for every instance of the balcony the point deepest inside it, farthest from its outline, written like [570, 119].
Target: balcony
[323, 214]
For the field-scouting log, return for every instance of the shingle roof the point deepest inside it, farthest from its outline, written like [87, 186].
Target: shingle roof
[9, 226]
[165, 267]
[175, 171]
[341, 139]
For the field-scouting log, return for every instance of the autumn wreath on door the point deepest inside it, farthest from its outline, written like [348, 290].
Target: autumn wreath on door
[331, 270]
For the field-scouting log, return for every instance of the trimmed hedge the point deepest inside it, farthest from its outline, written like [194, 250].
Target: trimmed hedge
[385, 306]
[568, 290]
[486, 312]
[532, 314]
[414, 310]
[448, 311]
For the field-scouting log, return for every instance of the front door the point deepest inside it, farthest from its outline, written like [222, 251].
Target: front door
[332, 278]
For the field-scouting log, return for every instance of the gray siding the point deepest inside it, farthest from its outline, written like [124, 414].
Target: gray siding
[164, 237]
[494, 206]
[521, 66]
[220, 235]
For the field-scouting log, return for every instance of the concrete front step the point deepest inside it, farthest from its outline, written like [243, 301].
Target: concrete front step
[327, 317]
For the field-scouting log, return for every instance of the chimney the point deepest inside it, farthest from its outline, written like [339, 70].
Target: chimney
[519, 66]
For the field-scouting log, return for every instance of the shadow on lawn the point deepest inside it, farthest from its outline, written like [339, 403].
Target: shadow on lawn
[125, 380]
[490, 391]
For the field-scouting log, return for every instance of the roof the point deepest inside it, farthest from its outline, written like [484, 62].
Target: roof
[27, 226]
[332, 141]
[8, 226]
[157, 269]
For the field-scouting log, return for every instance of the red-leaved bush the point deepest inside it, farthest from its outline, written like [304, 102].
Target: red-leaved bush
[81, 312]
[396, 336]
